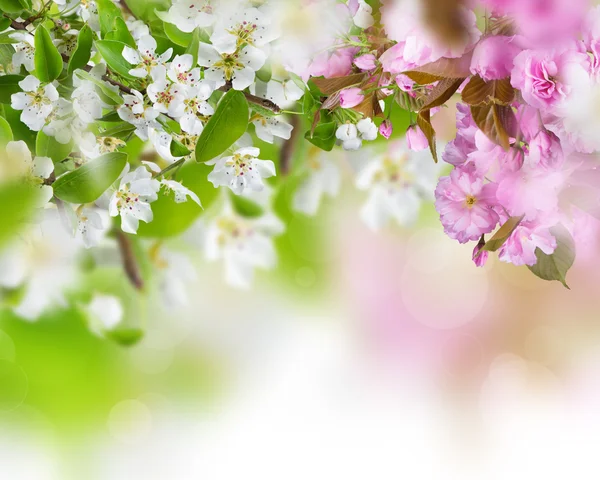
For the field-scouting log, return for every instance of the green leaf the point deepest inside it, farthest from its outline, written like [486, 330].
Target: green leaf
[47, 59]
[9, 84]
[172, 219]
[177, 36]
[121, 130]
[145, 9]
[323, 136]
[23, 200]
[193, 46]
[4, 23]
[11, 6]
[224, 128]
[91, 180]
[125, 336]
[178, 149]
[556, 266]
[46, 146]
[109, 95]
[501, 236]
[5, 38]
[6, 134]
[121, 33]
[246, 207]
[107, 13]
[83, 49]
[19, 129]
[112, 52]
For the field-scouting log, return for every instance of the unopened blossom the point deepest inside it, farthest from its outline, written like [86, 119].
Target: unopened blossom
[189, 14]
[352, 135]
[520, 247]
[545, 151]
[386, 129]
[397, 182]
[19, 163]
[362, 13]
[351, 97]
[243, 244]
[24, 51]
[132, 199]
[323, 179]
[480, 257]
[249, 26]
[366, 62]
[36, 101]
[238, 67]
[145, 59]
[269, 127]
[416, 139]
[466, 205]
[242, 170]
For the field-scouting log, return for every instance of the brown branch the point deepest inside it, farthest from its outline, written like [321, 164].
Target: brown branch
[130, 264]
[262, 102]
[106, 78]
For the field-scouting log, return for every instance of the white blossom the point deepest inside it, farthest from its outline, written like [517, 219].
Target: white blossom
[181, 71]
[181, 193]
[246, 27]
[323, 179]
[166, 96]
[189, 14]
[105, 313]
[136, 112]
[32, 170]
[241, 170]
[196, 108]
[238, 67]
[352, 136]
[132, 199]
[243, 244]
[24, 51]
[397, 183]
[91, 227]
[268, 127]
[36, 101]
[145, 59]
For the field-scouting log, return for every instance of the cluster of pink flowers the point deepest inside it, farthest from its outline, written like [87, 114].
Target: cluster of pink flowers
[526, 127]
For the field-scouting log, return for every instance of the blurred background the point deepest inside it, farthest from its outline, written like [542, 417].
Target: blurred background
[361, 355]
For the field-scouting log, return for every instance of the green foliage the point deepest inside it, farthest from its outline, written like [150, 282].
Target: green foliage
[112, 52]
[556, 266]
[83, 49]
[19, 129]
[246, 207]
[121, 33]
[91, 180]
[6, 134]
[47, 59]
[107, 13]
[224, 128]
[193, 46]
[323, 136]
[46, 146]
[177, 36]
[9, 84]
[22, 199]
[11, 6]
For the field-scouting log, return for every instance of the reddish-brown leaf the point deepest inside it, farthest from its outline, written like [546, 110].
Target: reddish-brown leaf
[424, 122]
[478, 91]
[335, 84]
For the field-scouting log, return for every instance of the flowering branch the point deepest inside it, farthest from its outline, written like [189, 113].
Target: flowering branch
[130, 264]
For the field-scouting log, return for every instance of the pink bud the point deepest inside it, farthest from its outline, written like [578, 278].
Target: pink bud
[366, 62]
[386, 129]
[351, 97]
[480, 259]
[416, 139]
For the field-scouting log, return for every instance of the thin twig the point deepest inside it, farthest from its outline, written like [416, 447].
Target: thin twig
[130, 264]
[287, 149]
[262, 102]
[106, 78]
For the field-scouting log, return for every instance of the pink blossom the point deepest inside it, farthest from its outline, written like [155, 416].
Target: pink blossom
[416, 139]
[545, 151]
[457, 150]
[493, 57]
[491, 160]
[351, 97]
[466, 205]
[366, 62]
[520, 247]
[480, 258]
[404, 83]
[337, 64]
[530, 192]
[386, 129]
[546, 78]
